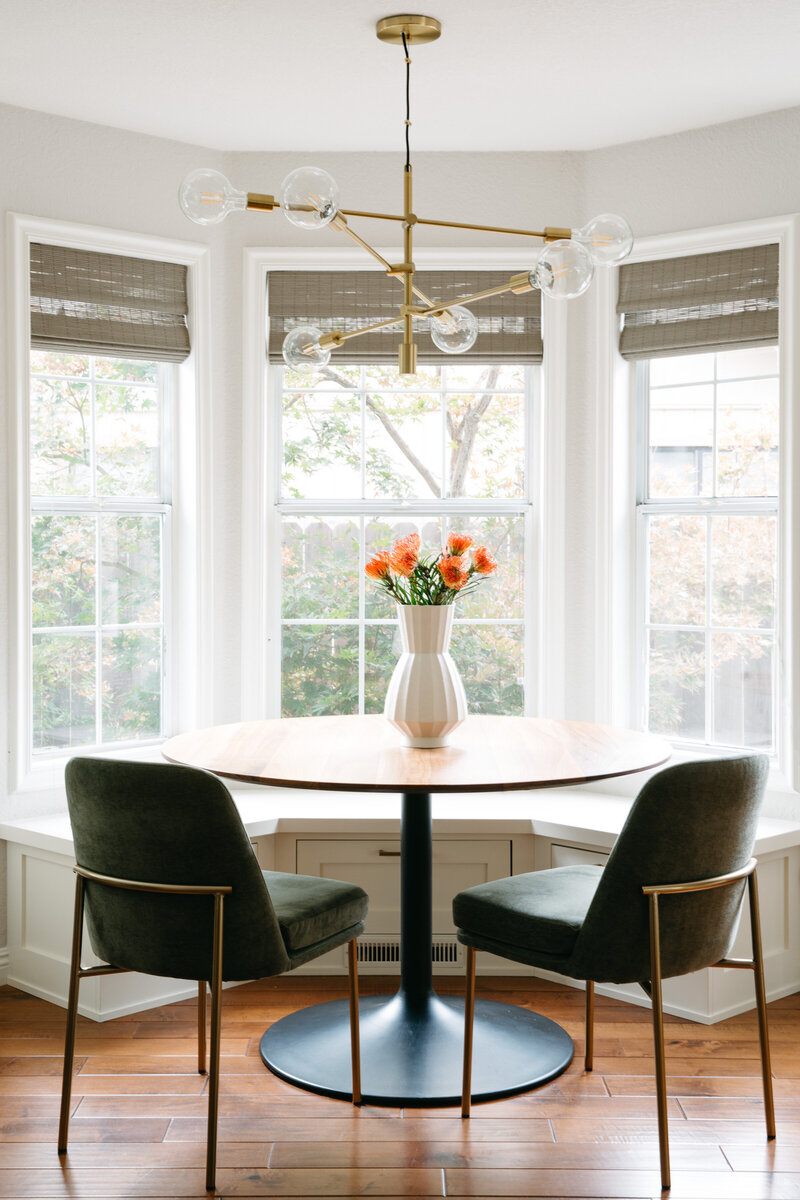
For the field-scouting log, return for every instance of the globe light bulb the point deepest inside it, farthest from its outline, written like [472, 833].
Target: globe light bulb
[608, 238]
[206, 196]
[302, 351]
[309, 197]
[563, 270]
[454, 331]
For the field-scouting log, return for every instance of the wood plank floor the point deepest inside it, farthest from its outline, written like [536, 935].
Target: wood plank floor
[139, 1110]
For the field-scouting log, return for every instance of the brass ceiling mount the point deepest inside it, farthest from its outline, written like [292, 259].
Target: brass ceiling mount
[418, 30]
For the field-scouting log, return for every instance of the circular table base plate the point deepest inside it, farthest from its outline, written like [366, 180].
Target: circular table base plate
[412, 1054]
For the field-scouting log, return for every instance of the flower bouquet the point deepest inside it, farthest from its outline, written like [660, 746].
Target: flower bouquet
[426, 700]
[436, 579]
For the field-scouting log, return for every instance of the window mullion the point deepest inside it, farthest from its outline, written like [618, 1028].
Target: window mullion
[362, 630]
[715, 439]
[443, 395]
[98, 619]
[362, 543]
[710, 705]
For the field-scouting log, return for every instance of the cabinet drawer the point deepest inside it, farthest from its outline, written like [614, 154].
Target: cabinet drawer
[374, 864]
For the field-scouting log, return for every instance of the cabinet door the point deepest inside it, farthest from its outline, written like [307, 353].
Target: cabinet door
[573, 856]
[375, 866]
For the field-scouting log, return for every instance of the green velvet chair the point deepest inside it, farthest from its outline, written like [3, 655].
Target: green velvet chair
[666, 903]
[169, 885]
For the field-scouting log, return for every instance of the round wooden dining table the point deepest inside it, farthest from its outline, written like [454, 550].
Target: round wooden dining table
[411, 1042]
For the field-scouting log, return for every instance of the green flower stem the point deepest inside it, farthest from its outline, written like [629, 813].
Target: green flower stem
[425, 584]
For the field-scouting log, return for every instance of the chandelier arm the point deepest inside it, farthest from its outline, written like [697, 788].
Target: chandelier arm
[550, 233]
[375, 216]
[518, 284]
[343, 227]
[337, 337]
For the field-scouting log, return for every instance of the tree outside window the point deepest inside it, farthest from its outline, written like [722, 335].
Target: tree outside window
[709, 516]
[368, 456]
[99, 509]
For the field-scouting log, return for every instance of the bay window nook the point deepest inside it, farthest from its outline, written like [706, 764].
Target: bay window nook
[218, 407]
[197, 530]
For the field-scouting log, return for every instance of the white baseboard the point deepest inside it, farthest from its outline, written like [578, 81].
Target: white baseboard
[169, 995]
[4, 963]
[631, 993]
[108, 1014]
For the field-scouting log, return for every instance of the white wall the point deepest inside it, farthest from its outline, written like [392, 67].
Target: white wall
[74, 171]
[733, 172]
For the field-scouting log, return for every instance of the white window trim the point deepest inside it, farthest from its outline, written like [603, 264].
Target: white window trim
[260, 595]
[616, 664]
[188, 684]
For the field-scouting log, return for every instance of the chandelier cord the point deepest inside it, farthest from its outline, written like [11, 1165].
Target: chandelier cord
[408, 102]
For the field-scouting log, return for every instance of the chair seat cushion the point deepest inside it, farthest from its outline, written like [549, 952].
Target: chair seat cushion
[311, 910]
[541, 912]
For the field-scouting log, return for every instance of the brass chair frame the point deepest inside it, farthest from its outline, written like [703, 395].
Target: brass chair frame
[77, 973]
[754, 964]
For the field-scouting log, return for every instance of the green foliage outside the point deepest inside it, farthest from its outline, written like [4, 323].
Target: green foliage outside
[96, 575]
[716, 572]
[415, 448]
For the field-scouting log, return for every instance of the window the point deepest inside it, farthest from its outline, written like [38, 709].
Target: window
[109, 426]
[704, 329]
[366, 456]
[708, 514]
[99, 531]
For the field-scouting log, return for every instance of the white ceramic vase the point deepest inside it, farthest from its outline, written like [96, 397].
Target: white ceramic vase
[425, 700]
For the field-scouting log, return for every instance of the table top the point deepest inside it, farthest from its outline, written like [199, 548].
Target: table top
[367, 754]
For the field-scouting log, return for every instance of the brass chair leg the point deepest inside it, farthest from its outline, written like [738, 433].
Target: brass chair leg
[658, 1042]
[469, 1015]
[761, 1003]
[588, 1058]
[355, 1039]
[72, 1015]
[213, 1065]
[201, 1026]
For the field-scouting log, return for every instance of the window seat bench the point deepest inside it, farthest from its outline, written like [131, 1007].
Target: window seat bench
[356, 836]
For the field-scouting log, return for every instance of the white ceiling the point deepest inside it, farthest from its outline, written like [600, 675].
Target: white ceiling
[310, 74]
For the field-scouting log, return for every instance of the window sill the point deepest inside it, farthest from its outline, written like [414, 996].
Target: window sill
[573, 814]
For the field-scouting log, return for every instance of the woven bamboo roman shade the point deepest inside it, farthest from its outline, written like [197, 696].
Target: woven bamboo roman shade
[703, 302]
[107, 304]
[509, 326]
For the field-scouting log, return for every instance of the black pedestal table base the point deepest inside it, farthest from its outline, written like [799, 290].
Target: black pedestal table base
[412, 1044]
[412, 1054]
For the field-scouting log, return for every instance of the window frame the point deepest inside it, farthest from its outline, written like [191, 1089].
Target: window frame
[97, 506]
[546, 468]
[619, 662]
[701, 506]
[187, 667]
[448, 508]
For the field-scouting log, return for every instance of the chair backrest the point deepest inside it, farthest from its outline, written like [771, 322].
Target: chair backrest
[689, 822]
[157, 823]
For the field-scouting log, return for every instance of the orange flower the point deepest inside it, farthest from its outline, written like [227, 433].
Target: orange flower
[457, 543]
[379, 566]
[483, 562]
[405, 554]
[453, 572]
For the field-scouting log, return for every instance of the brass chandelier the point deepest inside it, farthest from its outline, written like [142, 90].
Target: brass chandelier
[309, 198]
